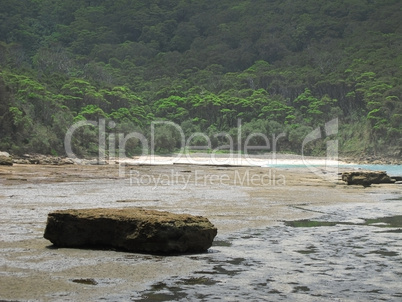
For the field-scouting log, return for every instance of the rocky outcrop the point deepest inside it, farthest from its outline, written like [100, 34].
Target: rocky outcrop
[39, 159]
[397, 178]
[6, 159]
[130, 229]
[366, 178]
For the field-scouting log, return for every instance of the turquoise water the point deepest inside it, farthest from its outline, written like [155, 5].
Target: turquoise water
[392, 170]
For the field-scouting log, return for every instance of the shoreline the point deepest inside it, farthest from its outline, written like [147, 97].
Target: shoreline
[231, 160]
[79, 170]
[210, 159]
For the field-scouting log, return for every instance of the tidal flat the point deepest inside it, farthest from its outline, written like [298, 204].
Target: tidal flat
[284, 234]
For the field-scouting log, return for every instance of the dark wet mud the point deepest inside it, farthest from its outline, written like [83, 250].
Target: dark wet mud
[340, 262]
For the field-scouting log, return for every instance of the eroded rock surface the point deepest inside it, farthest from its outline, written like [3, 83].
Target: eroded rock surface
[130, 229]
[366, 178]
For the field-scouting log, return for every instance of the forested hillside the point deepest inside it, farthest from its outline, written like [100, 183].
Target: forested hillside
[279, 65]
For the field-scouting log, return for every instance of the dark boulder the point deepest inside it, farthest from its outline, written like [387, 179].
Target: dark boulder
[366, 178]
[131, 229]
[397, 178]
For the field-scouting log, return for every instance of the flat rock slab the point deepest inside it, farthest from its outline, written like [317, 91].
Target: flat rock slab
[366, 178]
[130, 229]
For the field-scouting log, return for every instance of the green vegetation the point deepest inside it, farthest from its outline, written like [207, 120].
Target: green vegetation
[279, 66]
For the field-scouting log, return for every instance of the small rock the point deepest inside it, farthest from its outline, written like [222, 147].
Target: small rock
[6, 160]
[66, 161]
[6, 154]
[34, 161]
[131, 229]
[86, 281]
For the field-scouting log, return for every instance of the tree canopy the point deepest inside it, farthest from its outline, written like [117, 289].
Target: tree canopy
[280, 66]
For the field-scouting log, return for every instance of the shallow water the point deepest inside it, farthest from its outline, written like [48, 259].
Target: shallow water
[349, 262]
[256, 255]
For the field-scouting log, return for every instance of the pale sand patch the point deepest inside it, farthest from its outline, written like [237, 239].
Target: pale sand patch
[230, 159]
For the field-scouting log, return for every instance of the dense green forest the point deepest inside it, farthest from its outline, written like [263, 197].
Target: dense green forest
[279, 66]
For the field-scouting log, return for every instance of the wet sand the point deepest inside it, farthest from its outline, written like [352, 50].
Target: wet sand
[238, 200]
